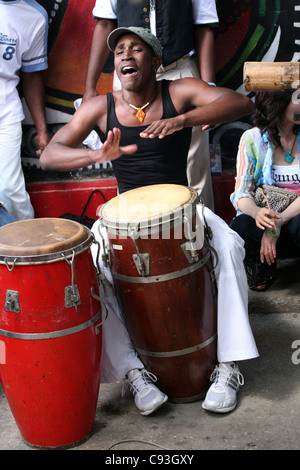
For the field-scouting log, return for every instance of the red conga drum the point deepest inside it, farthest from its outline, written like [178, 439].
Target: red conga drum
[50, 330]
[163, 277]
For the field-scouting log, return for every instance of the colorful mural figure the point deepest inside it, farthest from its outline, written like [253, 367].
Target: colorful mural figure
[260, 30]
[70, 34]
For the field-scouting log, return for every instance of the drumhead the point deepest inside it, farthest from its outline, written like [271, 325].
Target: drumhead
[42, 238]
[147, 204]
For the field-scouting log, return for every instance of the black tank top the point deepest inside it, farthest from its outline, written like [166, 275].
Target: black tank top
[157, 161]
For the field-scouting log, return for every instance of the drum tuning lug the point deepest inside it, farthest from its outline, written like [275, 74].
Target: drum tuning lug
[72, 298]
[106, 257]
[190, 252]
[208, 232]
[141, 260]
[100, 278]
[142, 263]
[12, 303]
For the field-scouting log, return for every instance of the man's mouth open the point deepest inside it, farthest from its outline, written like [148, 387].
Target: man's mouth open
[128, 70]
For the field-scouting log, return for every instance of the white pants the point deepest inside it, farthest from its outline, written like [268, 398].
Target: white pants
[13, 194]
[235, 338]
[198, 161]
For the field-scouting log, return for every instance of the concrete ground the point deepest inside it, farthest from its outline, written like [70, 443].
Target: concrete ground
[268, 413]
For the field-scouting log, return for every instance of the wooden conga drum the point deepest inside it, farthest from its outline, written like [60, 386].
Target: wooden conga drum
[163, 278]
[50, 330]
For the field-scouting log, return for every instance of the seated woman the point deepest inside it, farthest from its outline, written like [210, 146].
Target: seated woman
[268, 154]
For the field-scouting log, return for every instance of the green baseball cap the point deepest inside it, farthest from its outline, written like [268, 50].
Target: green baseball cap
[143, 33]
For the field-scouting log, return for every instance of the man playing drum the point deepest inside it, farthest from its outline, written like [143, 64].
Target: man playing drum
[147, 125]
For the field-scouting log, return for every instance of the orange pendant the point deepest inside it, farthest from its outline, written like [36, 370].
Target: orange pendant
[140, 115]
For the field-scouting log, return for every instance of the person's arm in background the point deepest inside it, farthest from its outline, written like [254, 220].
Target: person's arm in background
[206, 20]
[34, 94]
[205, 52]
[98, 55]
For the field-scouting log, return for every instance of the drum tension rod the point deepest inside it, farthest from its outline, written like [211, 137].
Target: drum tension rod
[189, 247]
[141, 260]
[72, 298]
[105, 258]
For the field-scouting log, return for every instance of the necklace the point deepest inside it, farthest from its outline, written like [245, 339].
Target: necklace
[288, 155]
[140, 109]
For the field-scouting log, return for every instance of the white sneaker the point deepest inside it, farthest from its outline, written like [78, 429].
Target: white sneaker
[221, 396]
[147, 396]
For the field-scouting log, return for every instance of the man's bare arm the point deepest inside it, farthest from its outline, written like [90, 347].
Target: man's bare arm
[205, 105]
[34, 94]
[63, 153]
[98, 55]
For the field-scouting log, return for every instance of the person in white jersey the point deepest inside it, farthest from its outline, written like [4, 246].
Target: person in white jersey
[185, 29]
[268, 154]
[23, 50]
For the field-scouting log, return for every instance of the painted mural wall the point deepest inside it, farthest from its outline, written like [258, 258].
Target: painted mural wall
[250, 30]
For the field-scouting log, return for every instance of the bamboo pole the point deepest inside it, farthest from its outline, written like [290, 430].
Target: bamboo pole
[261, 76]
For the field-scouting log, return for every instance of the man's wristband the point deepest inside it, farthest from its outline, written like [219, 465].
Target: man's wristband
[211, 84]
